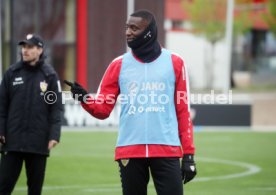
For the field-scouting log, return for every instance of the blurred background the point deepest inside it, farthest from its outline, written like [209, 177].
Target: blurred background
[228, 45]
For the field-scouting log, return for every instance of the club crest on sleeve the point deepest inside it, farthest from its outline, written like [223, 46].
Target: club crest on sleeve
[43, 86]
[124, 162]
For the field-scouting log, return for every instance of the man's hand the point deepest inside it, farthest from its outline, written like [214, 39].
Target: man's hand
[2, 139]
[51, 144]
[78, 92]
[188, 168]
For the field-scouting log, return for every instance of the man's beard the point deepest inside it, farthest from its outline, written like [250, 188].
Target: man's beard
[30, 61]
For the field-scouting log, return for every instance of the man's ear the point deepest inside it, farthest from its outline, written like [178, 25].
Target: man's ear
[40, 50]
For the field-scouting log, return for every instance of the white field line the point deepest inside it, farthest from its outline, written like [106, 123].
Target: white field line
[251, 169]
[264, 189]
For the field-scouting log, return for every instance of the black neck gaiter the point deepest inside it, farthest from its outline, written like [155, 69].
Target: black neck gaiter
[146, 47]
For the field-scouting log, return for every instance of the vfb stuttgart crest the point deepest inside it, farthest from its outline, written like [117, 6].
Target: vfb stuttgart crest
[124, 162]
[43, 86]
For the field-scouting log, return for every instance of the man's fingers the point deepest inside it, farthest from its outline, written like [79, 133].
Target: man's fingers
[52, 144]
[189, 178]
[68, 83]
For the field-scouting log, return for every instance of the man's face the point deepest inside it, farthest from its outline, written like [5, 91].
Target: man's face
[31, 53]
[134, 27]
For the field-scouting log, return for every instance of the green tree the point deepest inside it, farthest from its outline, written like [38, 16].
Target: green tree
[208, 19]
[270, 17]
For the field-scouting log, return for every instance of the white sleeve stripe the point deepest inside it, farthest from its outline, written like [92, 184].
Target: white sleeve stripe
[59, 86]
[185, 75]
[99, 88]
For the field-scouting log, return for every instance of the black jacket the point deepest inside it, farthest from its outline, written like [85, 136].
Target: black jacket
[27, 121]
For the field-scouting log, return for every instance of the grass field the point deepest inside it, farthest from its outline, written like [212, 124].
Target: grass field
[229, 163]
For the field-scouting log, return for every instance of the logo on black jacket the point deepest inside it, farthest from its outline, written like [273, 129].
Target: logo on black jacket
[18, 81]
[43, 86]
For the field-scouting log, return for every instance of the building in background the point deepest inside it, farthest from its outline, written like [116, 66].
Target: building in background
[53, 20]
[82, 36]
[253, 50]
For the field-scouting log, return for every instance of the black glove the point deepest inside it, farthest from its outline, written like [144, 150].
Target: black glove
[188, 168]
[78, 92]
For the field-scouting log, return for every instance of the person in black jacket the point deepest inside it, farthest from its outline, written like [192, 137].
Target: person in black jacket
[30, 117]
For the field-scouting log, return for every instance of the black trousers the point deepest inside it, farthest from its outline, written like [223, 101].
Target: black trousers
[10, 167]
[166, 175]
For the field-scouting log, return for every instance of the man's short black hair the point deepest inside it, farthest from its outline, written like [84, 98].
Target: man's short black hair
[145, 14]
